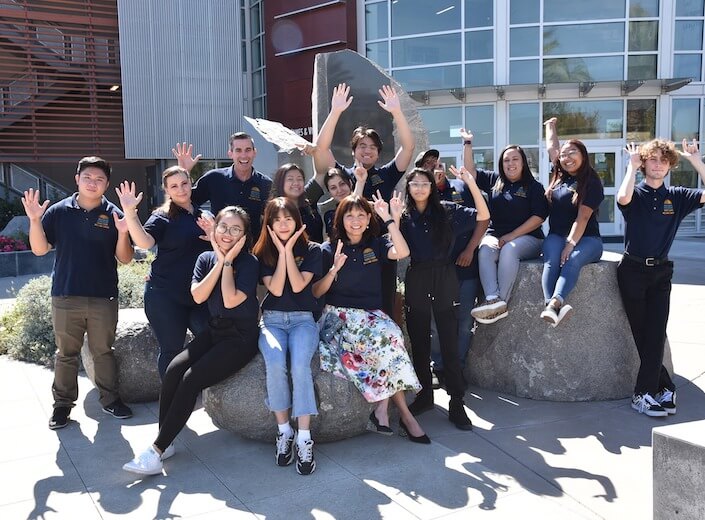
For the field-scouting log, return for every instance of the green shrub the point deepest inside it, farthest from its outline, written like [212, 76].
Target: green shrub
[26, 331]
[9, 209]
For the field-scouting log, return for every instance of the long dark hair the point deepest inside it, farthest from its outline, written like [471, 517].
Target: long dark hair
[582, 176]
[346, 205]
[526, 175]
[440, 226]
[265, 249]
[278, 182]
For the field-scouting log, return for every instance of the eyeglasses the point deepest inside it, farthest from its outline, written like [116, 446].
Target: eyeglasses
[418, 184]
[569, 153]
[233, 231]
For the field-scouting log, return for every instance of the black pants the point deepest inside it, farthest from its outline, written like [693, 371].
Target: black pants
[434, 287]
[389, 287]
[211, 357]
[646, 294]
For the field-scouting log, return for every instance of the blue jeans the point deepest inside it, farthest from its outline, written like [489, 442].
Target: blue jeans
[468, 293]
[169, 319]
[294, 332]
[557, 281]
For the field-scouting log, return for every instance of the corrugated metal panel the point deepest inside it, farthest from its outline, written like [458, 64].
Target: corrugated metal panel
[181, 75]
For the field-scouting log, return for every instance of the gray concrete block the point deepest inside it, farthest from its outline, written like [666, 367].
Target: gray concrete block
[591, 356]
[679, 471]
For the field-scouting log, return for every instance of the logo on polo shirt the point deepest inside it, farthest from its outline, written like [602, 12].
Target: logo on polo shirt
[668, 207]
[299, 260]
[456, 197]
[376, 179]
[103, 221]
[520, 192]
[368, 256]
[255, 194]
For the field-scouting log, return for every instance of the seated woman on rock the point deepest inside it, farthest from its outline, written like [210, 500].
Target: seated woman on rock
[359, 341]
[226, 278]
[339, 185]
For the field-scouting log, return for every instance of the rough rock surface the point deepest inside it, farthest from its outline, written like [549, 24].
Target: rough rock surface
[590, 357]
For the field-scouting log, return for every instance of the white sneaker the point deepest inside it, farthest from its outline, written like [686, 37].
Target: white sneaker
[564, 313]
[305, 464]
[488, 308]
[169, 451]
[146, 463]
[648, 406]
[550, 315]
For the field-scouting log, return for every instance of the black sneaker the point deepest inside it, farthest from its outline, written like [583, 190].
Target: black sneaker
[118, 409]
[60, 417]
[422, 403]
[305, 465]
[457, 415]
[285, 449]
[644, 403]
[667, 399]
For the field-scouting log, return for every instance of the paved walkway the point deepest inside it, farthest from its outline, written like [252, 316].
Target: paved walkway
[523, 459]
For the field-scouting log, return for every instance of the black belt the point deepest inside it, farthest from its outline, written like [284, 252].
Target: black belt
[649, 262]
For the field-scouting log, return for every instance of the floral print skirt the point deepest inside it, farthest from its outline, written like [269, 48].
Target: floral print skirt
[367, 348]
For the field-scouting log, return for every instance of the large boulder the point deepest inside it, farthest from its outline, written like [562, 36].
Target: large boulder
[592, 356]
[238, 404]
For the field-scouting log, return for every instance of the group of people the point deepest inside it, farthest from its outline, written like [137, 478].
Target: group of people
[335, 296]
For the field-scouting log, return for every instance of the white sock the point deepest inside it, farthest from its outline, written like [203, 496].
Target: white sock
[491, 297]
[286, 429]
[303, 436]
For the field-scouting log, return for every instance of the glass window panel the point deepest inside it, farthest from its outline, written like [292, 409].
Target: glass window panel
[479, 45]
[681, 175]
[377, 52]
[532, 159]
[589, 38]
[484, 158]
[431, 78]
[524, 11]
[480, 120]
[603, 163]
[255, 26]
[426, 50]
[524, 41]
[524, 123]
[422, 16]
[439, 122]
[523, 71]
[689, 35]
[641, 119]
[687, 66]
[605, 213]
[689, 7]
[479, 74]
[257, 83]
[243, 56]
[643, 8]
[376, 21]
[643, 36]
[586, 119]
[562, 11]
[256, 53]
[641, 67]
[561, 70]
[478, 13]
[685, 122]
[258, 107]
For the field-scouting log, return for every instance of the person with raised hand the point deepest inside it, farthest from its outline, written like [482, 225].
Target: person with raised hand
[359, 341]
[340, 186]
[289, 262]
[226, 279]
[174, 228]
[290, 181]
[652, 213]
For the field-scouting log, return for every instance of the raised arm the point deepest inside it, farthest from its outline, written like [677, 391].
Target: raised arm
[129, 202]
[37, 239]
[184, 155]
[232, 296]
[483, 212]
[691, 152]
[553, 146]
[321, 152]
[297, 279]
[124, 251]
[626, 189]
[391, 215]
[390, 102]
[360, 180]
[468, 159]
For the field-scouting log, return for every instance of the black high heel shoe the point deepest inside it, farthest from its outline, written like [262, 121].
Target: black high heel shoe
[422, 439]
[374, 426]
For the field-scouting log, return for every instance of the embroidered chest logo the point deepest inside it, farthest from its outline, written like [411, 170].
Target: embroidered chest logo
[368, 256]
[668, 207]
[456, 197]
[521, 192]
[255, 194]
[299, 260]
[376, 179]
[103, 221]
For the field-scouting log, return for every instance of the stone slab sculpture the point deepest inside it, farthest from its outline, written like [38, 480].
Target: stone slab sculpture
[590, 357]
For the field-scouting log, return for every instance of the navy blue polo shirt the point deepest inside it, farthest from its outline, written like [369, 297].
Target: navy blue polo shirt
[455, 190]
[222, 188]
[308, 259]
[309, 211]
[246, 269]
[563, 213]
[383, 178]
[328, 219]
[514, 205]
[418, 232]
[653, 216]
[359, 281]
[85, 243]
[178, 247]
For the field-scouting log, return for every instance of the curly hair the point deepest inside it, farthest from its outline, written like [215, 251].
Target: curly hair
[667, 148]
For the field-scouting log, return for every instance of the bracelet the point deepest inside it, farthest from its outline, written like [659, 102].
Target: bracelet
[571, 242]
[387, 222]
[467, 142]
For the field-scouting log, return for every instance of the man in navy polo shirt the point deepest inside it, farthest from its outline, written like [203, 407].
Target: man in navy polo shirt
[237, 185]
[89, 233]
[652, 213]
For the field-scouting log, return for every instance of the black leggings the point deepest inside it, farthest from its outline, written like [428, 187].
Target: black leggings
[211, 357]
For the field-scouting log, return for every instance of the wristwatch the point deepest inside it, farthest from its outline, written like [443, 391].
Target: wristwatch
[227, 264]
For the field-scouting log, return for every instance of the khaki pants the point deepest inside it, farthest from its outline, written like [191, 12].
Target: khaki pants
[72, 317]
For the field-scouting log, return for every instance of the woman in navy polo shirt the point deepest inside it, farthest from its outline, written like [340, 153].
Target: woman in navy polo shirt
[174, 229]
[289, 181]
[518, 207]
[359, 341]
[574, 194]
[288, 264]
[431, 227]
[226, 278]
